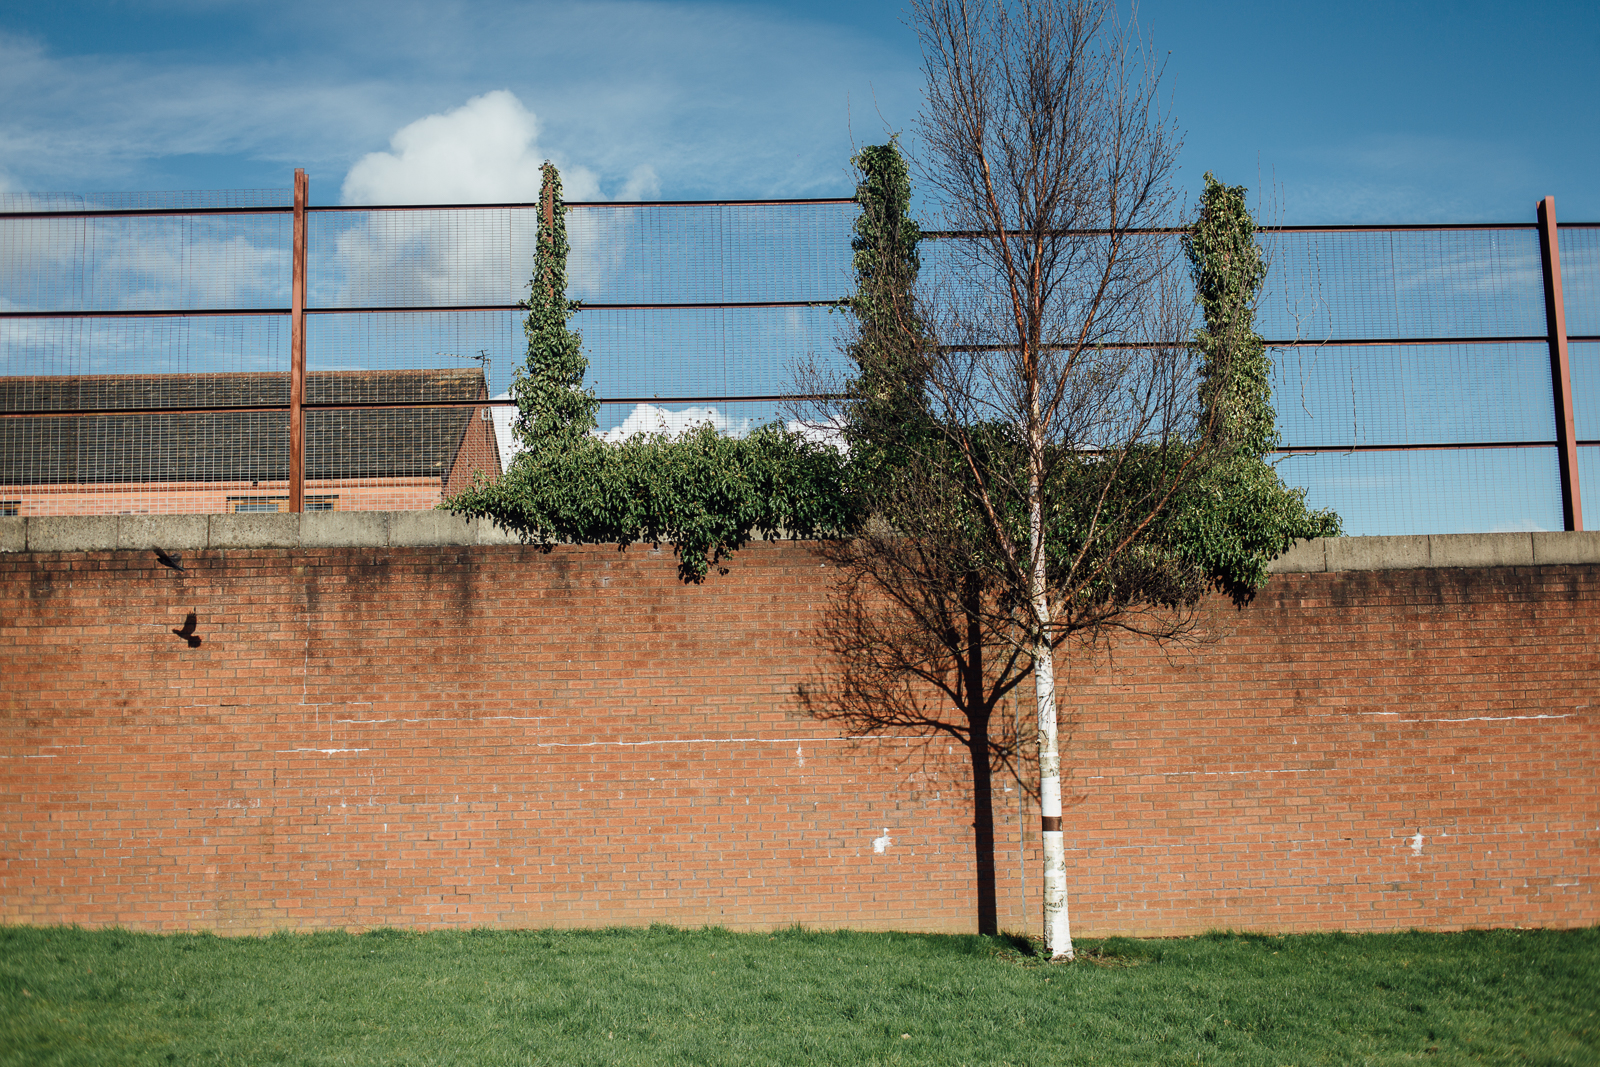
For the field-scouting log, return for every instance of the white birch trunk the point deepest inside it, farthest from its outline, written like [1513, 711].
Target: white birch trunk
[1057, 928]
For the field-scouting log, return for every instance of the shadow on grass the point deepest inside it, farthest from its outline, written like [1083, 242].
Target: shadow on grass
[1029, 951]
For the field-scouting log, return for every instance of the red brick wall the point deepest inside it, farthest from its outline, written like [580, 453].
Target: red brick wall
[476, 451]
[492, 735]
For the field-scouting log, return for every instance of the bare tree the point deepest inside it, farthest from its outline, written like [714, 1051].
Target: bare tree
[1061, 326]
[1050, 457]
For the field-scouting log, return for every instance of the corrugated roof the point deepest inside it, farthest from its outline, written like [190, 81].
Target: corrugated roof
[236, 445]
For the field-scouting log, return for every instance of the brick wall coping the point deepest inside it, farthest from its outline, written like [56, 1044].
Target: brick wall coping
[385, 529]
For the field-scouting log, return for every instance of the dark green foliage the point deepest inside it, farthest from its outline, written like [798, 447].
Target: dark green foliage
[1228, 268]
[901, 457]
[889, 350]
[1239, 515]
[706, 494]
[660, 996]
[554, 407]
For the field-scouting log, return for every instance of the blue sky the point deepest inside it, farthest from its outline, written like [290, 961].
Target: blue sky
[1350, 112]
[1372, 112]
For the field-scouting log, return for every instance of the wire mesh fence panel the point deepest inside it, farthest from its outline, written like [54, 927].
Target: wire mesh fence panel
[1347, 395]
[698, 253]
[151, 457]
[1584, 358]
[139, 463]
[652, 354]
[1360, 285]
[1580, 278]
[418, 258]
[706, 353]
[1589, 479]
[167, 262]
[677, 365]
[157, 357]
[45, 349]
[174, 324]
[620, 254]
[968, 292]
[1480, 490]
[490, 342]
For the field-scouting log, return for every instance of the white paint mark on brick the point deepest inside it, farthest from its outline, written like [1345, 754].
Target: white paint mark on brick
[1474, 718]
[881, 843]
[324, 751]
[799, 757]
[720, 741]
[1416, 844]
[1189, 774]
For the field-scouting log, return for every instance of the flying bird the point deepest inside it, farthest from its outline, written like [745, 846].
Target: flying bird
[169, 560]
[187, 633]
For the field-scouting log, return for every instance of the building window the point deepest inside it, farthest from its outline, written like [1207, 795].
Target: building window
[10, 507]
[258, 503]
[326, 502]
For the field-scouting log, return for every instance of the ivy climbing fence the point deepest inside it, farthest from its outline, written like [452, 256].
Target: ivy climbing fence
[245, 351]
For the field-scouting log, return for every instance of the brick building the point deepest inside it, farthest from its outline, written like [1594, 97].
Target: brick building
[201, 443]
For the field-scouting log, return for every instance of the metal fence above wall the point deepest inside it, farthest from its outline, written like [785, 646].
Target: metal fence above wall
[159, 349]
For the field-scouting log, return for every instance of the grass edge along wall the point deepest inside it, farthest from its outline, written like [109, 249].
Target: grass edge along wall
[358, 730]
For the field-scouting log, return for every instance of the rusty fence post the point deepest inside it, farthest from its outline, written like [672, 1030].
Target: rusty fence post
[1555, 317]
[297, 351]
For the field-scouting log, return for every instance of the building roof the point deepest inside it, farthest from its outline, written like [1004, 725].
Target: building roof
[126, 446]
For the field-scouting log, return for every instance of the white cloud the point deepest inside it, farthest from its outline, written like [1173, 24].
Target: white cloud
[644, 418]
[483, 152]
[647, 418]
[828, 432]
[486, 151]
[642, 184]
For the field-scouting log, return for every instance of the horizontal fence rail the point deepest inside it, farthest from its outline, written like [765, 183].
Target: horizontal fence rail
[164, 352]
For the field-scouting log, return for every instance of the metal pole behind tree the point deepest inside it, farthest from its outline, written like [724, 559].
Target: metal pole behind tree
[1555, 317]
[297, 351]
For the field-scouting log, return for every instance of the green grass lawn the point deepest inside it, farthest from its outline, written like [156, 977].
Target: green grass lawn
[666, 996]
